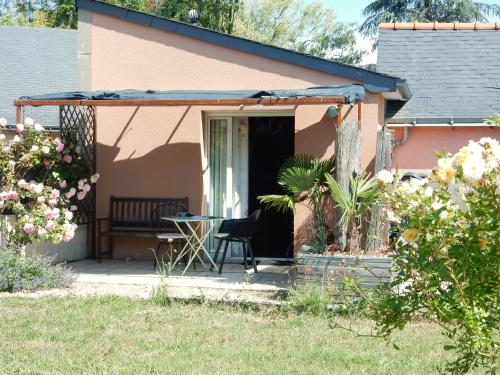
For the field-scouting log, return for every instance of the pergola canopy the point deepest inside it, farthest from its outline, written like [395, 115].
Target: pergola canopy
[348, 94]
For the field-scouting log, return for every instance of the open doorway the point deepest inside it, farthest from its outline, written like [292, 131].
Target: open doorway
[244, 155]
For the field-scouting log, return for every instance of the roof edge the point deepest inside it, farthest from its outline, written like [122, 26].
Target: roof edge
[439, 26]
[373, 81]
[436, 120]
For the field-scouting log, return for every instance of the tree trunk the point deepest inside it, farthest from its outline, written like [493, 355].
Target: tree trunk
[347, 159]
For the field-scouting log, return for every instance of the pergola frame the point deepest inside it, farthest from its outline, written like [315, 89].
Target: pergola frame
[69, 107]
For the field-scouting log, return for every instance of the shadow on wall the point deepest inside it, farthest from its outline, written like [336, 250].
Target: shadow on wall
[172, 170]
[316, 138]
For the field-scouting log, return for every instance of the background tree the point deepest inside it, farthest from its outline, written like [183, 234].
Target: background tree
[215, 14]
[218, 15]
[380, 11]
[294, 24]
[301, 26]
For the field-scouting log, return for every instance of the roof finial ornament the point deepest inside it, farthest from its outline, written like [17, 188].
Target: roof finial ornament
[194, 16]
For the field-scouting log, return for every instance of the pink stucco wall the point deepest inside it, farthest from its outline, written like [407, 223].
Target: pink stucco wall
[417, 153]
[152, 151]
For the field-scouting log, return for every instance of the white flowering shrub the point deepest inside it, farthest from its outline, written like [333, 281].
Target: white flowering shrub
[41, 181]
[447, 253]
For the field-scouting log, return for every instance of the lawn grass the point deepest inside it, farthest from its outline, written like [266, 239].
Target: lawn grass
[112, 335]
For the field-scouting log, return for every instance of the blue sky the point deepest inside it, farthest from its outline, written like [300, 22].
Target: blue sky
[350, 10]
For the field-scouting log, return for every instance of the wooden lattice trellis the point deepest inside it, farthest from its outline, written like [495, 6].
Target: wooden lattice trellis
[78, 125]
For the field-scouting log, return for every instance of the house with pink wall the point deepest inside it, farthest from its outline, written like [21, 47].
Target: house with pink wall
[453, 71]
[170, 151]
[221, 155]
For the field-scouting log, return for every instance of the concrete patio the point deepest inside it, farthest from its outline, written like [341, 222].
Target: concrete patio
[138, 279]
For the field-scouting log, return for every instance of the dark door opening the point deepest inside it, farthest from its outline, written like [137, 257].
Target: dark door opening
[270, 144]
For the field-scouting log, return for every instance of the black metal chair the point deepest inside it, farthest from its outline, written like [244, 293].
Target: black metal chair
[165, 231]
[241, 231]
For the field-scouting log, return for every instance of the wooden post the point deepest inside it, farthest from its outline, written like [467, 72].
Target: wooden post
[377, 231]
[19, 114]
[359, 115]
[347, 160]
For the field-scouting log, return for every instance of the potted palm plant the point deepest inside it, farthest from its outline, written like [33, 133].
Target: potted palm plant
[354, 206]
[304, 180]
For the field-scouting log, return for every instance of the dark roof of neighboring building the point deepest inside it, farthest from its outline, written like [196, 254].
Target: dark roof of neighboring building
[373, 81]
[453, 70]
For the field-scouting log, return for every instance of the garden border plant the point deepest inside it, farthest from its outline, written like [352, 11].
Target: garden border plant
[446, 255]
[42, 182]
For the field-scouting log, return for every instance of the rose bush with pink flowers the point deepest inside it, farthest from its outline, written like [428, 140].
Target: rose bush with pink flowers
[42, 179]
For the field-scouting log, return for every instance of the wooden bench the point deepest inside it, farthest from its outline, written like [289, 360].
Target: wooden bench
[133, 217]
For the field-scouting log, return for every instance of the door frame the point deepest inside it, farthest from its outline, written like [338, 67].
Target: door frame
[229, 115]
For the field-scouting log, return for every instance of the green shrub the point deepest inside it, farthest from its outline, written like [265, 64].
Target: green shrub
[447, 257]
[20, 273]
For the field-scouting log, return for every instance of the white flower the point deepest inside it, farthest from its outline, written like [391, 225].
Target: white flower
[94, 178]
[16, 139]
[473, 168]
[22, 183]
[68, 215]
[436, 205]
[3, 122]
[12, 163]
[37, 188]
[428, 191]
[45, 149]
[39, 127]
[392, 218]
[457, 192]
[384, 177]
[443, 215]
[2, 137]
[20, 127]
[28, 121]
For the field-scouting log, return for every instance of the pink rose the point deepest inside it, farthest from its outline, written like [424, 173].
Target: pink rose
[60, 147]
[40, 200]
[70, 193]
[52, 202]
[20, 128]
[67, 158]
[55, 193]
[80, 184]
[37, 188]
[81, 195]
[50, 225]
[12, 195]
[4, 195]
[48, 214]
[63, 184]
[86, 188]
[68, 237]
[55, 212]
[28, 228]
[41, 232]
[73, 208]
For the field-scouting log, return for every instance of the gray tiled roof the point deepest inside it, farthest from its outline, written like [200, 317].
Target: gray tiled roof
[36, 61]
[451, 73]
